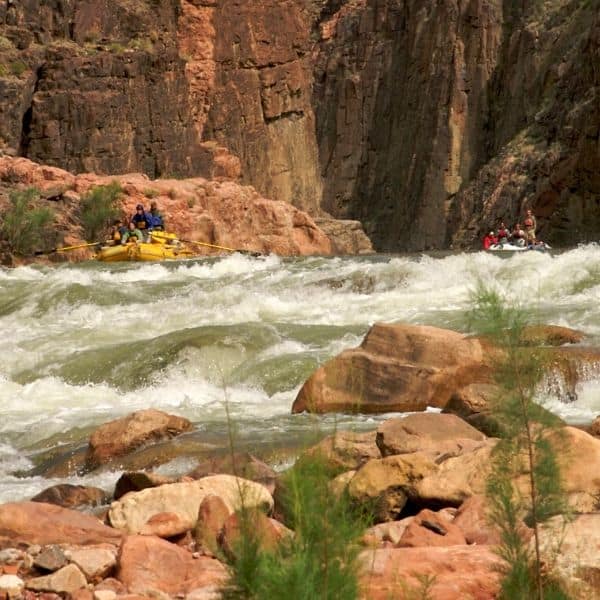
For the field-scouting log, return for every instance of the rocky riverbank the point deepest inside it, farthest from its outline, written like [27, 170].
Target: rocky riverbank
[218, 211]
[423, 476]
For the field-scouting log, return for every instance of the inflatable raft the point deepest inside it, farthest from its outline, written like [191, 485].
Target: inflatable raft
[508, 247]
[160, 246]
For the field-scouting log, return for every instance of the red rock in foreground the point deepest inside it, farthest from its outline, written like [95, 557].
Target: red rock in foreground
[458, 572]
[40, 523]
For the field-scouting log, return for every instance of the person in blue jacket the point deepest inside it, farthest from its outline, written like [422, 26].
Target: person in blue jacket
[155, 218]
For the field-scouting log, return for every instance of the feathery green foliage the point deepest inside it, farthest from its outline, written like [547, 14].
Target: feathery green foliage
[99, 208]
[25, 226]
[320, 561]
[524, 486]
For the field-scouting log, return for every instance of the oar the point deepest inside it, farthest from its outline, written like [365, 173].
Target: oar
[220, 247]
[64, 248]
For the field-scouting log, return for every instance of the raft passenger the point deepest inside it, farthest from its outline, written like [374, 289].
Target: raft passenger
[489, 240]
[530, 225]
[503, 234]
[155, 218]
[117, 232]
[519, 236]
[133, 231]
[140, 219]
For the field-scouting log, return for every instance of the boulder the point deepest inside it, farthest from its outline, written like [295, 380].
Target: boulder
[397, 368]
[40, 523]
[431, 529]
[133, 512]
[212, 514]
[549, 335]
[473, 520]
[148, 563]
[121, 436]
[134, 481]
[64, 581]
[347, 449]
[433, 434]
[51, 558]
[455, 479]
[595, 427]
[11, 586]
[266, 532]
[578, 456]
[572, 549]
[72, 496]
[455, 571]
[241, 464]
[385, 483]
[386, 534]
[95, 562]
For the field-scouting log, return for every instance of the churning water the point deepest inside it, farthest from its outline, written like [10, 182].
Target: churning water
[83, 344]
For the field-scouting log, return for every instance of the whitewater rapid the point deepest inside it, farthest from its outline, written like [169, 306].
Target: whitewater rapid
[86, 343]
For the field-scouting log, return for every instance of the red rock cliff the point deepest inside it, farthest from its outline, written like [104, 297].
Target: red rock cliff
[427, 121]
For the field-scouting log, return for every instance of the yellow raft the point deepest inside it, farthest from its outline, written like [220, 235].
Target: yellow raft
[160, 246]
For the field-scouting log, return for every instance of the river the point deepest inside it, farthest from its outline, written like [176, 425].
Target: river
[86, 343]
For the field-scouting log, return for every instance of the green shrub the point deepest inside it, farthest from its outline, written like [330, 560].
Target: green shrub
[320, 561]
[523, 451]
[99, 209]
[24, 226]
[3, 70]
[18, 67]
[151, 193]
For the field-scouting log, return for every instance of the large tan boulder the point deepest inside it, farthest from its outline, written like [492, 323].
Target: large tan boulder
[386, 482]
[347, 449]
[148, 564]
[457, 572]
[173, 507]
[578, 456]
[572, 549]
[431, 433]
[456, 478]
[40, 523]
[137, 429]
[397, 367]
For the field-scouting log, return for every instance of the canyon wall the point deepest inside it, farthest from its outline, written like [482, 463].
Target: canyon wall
[427, 120]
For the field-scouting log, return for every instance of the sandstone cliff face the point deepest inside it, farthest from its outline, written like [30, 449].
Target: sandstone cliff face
[425, 121]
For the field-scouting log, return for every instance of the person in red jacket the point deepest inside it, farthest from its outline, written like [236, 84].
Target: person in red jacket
[489, 240]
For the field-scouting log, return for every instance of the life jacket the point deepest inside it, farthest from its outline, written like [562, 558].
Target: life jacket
[503, 233]
[141, 221]
[487, 242]
[116, 235]
[528, 223]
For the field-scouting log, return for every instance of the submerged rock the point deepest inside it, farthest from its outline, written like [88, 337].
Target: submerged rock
[121, 436]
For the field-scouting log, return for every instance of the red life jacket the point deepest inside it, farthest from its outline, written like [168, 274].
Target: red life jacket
[528, 223]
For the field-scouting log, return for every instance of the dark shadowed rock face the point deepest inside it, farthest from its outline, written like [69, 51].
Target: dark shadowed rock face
[427, 122]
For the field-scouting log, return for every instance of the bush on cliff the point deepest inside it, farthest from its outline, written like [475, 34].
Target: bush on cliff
[25, 226]
[99, 209]
[320, 561]
[524, 487]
